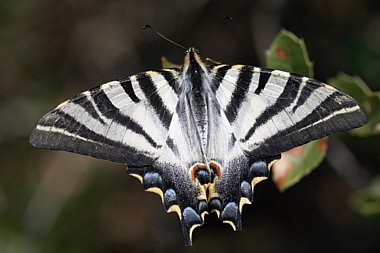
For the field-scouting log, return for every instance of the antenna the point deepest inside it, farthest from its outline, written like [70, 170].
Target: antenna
[162, 36]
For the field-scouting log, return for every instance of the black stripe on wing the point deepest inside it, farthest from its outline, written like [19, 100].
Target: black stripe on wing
[150, 91]
[82, 101]
[127, 86]
[170, 78]
[70, 135]
[336, 113]
[239, 94]
[286, 98]
[109, 111]
[218, 77]
[307, 90]
[263, 79]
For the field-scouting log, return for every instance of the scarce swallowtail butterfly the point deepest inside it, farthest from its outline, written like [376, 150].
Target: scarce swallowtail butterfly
[199, 136]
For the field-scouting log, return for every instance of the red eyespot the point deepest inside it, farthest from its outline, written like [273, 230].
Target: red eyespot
[215, 168]
[194, 169]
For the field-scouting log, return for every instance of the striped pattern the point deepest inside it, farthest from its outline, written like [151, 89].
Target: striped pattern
[200, 137]
[273, 111]
[124, 121]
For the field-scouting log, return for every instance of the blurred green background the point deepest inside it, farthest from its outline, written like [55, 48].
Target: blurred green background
[61, 202]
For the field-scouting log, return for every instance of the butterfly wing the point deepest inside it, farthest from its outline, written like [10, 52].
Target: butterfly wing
[124, 121]
[272, 111]
[138, 121]
[268, 112]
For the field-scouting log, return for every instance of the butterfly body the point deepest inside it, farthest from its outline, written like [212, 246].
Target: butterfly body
[200, 136]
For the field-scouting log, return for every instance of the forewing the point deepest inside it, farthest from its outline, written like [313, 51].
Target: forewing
[272, 111]
[125, 121]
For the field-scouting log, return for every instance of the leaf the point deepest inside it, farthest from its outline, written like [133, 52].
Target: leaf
[368, 100]
[288, 53]
[352, 85]
[372, 108]
[373, 114]
[298, 162]
[166, 64]
[367, 200]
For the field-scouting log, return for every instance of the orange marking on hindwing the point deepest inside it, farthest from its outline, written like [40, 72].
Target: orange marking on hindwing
[216, 167]
[196, 167]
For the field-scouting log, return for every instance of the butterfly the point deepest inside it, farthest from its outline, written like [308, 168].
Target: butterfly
[200, 136]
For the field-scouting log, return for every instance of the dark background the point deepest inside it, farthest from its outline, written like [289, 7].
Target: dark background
[60, 202]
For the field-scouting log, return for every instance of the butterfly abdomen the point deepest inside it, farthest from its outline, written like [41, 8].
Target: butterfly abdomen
[197, 91]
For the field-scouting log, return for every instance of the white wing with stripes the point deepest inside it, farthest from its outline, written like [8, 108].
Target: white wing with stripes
[124, 121]
[272, 111]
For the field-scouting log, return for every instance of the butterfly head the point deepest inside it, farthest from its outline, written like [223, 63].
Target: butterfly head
[193, 61]
[192, 56]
